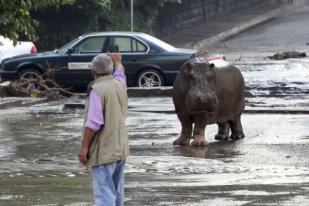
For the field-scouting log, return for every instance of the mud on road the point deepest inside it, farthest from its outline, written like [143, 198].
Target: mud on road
[269, 167]
[39, 143]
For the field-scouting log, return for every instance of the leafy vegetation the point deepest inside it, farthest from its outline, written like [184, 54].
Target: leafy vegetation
[54, 22]
[15, 16]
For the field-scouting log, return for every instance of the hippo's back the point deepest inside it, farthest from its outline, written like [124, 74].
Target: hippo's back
[230, 90]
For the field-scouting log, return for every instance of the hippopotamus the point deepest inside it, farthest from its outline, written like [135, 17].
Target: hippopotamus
[204, 94]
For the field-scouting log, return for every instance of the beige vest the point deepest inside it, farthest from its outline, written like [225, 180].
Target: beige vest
[110, 144]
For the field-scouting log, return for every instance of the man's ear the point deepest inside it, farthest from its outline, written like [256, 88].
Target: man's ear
[94, 73]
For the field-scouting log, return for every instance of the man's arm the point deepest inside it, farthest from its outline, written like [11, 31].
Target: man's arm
[118, 68]
[95, 121]
[84, 149]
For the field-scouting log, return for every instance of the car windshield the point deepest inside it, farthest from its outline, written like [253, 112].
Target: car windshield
[158, 42]
[65, 47]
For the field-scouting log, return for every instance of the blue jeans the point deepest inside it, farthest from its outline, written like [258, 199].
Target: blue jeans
[108, 184]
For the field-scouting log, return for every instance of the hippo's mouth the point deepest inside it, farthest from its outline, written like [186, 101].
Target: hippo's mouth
[202, 108]
[198, 112]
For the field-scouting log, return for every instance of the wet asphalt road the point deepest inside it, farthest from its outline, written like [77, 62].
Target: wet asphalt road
[269, 167]
[39, 143]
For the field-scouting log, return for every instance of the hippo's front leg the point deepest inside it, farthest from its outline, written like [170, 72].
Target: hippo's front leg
[186, 130]
[200, 122]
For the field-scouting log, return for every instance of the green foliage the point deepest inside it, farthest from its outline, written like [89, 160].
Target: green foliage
[58, 26]
[56, 22]
[145, 14]
[15, 17]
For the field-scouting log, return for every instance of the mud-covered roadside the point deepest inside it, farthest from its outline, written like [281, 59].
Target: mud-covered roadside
[39, 166]
[40, 139]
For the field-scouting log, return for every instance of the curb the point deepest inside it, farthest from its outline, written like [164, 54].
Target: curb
[150, 92]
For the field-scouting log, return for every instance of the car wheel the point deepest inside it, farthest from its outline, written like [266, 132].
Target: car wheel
[30, 79]
[150, 78]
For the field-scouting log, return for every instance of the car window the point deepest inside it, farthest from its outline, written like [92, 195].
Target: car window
[65, 47]
[138, 46]
[158, 42]
[91, 45]
[128, 44]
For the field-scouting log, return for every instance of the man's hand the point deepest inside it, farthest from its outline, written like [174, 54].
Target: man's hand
[116, 57]
[82, 156]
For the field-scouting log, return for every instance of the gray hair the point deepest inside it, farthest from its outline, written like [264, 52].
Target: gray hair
[102, 64]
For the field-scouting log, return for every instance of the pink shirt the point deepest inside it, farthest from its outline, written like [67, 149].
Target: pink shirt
[95, 118]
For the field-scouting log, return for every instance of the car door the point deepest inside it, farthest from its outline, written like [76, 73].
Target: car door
[133, 53]
[77, 72]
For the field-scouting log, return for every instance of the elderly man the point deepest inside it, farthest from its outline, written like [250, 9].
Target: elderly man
[104, 147]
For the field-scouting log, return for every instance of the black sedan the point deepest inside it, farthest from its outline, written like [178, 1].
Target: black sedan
[149, 62]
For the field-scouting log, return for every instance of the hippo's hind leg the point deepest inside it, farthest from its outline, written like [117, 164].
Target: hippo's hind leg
[236, 128]
[186, 130]
[200, 122]
[223, 131]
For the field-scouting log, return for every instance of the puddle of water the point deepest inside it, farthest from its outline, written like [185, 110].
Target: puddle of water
[217, 201]
[299, 201]
[258, 193]
[181, 171]
[10, 197]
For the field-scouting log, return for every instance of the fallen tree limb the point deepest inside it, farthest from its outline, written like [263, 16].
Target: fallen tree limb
[42, 85]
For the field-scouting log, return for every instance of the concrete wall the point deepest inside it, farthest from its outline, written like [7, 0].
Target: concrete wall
[174, 17]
